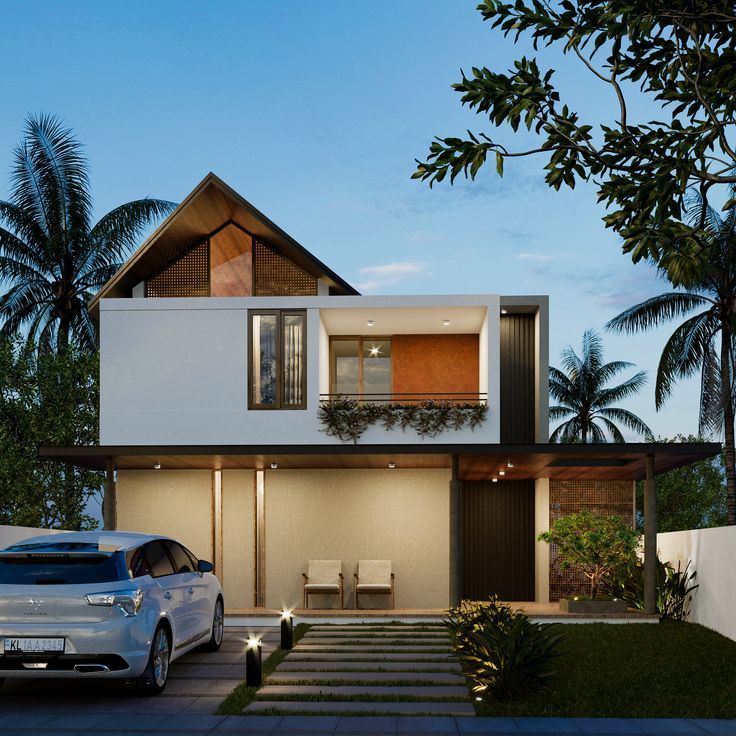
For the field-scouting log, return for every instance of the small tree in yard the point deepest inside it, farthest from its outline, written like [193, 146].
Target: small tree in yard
[598, 545]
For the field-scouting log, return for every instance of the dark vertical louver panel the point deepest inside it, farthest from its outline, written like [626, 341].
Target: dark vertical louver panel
[517, 379]
[498, 540]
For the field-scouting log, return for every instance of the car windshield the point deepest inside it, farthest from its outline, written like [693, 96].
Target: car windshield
[60, 569]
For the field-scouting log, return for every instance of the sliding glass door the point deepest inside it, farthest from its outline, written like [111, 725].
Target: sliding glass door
[361, 367]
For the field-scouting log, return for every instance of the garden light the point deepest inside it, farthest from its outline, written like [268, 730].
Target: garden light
[287, 629]
[253, 669]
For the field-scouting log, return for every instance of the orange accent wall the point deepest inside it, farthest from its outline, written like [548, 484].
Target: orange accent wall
[427, 364]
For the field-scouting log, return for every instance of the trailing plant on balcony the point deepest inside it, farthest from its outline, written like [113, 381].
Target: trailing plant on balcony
[348, 419]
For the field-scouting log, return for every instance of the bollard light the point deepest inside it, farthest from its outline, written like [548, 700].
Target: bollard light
[287, 629]
[253, 671]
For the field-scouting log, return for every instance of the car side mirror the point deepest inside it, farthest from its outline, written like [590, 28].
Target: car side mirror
[204, 566]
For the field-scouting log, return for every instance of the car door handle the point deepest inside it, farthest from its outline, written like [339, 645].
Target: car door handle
[191, 590]
[167, 595]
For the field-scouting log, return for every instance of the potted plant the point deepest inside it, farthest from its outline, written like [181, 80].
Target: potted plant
[599, 546]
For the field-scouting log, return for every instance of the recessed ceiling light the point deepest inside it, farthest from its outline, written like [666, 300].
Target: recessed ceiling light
[370, 323]
[446, 322]
[509, 464]
[392, 465]
[495, 480]
[502, 472]
[157, 466]
[274, 466]
[504, 311]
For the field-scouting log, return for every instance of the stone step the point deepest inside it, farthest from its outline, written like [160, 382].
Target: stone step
[376, 627]
[412, 691]
[320, 676]
[337, 666]
[404, 708]
[342, 641]
[343, 630]
[417, 649]
[390, 656]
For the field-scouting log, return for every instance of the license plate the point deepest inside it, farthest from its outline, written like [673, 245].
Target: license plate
[33, 645]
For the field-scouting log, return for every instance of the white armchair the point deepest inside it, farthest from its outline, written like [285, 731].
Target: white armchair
[374, 576]
[324, 577]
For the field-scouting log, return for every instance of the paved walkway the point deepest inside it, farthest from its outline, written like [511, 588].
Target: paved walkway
[198, 683]
[353, 669]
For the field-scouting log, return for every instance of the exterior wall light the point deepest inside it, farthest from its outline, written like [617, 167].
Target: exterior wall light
[157, 466]
[287, 629]
[504, 311]
[446, 322]
[370, 323]
[274, 466]
[391, 466]
[253, 669]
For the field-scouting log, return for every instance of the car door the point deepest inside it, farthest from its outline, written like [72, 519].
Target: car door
[194, 590]
[172, 587]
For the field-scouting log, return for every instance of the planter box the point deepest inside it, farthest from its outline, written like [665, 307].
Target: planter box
[592, 607]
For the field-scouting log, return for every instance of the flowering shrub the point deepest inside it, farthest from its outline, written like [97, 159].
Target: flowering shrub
[598, 545]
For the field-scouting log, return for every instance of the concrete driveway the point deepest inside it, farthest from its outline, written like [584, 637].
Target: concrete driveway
[198, 682]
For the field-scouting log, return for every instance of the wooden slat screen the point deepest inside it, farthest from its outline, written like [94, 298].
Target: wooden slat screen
[188, 275]
[274, 275]
[517, 379]
[498, 540]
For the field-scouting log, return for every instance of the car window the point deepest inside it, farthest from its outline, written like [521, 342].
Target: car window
[182, 561]
[137, 563]
[158, 559]
[61, 569]
[193, 557]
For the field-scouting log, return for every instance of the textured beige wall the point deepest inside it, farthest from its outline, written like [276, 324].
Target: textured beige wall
[174, 503]
[401, 515]
[238, 538]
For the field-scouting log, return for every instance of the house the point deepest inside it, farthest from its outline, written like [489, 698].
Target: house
[225, 344]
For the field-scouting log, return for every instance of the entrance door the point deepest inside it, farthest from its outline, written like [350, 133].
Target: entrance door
[498, 540]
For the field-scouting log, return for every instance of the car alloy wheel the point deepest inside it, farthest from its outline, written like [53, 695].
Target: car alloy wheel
[218, 626]
[161, 654]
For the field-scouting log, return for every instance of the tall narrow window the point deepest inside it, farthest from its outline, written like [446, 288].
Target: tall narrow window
[278, 369]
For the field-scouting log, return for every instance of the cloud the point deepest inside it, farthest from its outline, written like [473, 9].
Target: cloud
[534, 257]
[389, 274]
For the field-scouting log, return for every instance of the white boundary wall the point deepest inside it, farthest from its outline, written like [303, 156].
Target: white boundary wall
[713, 556]
[12, 534]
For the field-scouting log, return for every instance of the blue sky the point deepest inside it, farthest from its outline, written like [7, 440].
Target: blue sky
[315, 112]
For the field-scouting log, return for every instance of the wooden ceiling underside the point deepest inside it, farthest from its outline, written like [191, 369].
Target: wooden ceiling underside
[476, 462]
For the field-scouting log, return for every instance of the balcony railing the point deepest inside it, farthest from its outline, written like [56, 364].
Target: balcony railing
[410, 398]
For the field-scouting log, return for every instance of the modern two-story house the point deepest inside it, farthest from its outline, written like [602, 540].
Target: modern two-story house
[252, 405]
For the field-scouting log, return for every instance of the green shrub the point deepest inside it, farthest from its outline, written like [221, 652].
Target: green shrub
[504, 654]
[598, 545]
[674, 588]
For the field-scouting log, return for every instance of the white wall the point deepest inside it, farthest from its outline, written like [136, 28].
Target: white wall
[12, 534]
[713, 556]
[174, 372]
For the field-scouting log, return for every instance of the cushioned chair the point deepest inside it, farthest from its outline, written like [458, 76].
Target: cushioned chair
[374, 576]
[323, 578]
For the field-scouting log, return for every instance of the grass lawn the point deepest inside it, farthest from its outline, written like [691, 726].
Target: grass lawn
[242, 696]
[674, 670]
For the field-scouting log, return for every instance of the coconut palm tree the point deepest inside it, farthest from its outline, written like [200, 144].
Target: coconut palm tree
[52, 257]
[704, 342]
[585, 403]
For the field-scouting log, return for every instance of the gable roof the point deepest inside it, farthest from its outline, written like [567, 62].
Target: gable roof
[208, 207]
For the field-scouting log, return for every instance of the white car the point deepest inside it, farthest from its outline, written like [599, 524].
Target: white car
[104, 604]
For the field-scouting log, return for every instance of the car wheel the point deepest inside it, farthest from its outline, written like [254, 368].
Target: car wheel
[218, 627]
[154, 677]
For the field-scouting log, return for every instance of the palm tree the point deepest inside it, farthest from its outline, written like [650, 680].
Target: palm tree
[52, 258]
[704, 342]
[585, 401]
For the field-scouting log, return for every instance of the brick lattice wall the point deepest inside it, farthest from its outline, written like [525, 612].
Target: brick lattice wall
[607, 498]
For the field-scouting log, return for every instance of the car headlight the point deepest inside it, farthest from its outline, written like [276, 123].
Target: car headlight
[128, 601]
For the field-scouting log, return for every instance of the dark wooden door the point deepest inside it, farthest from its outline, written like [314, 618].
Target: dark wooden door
[498, 540]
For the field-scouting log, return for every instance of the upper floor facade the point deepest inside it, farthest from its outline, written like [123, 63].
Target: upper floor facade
[221, 329]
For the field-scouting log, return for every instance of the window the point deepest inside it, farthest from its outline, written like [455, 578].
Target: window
[137, 563]
[361, 367]
[182, 561]
[61, 569]
[278, 354]
[158, 560]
